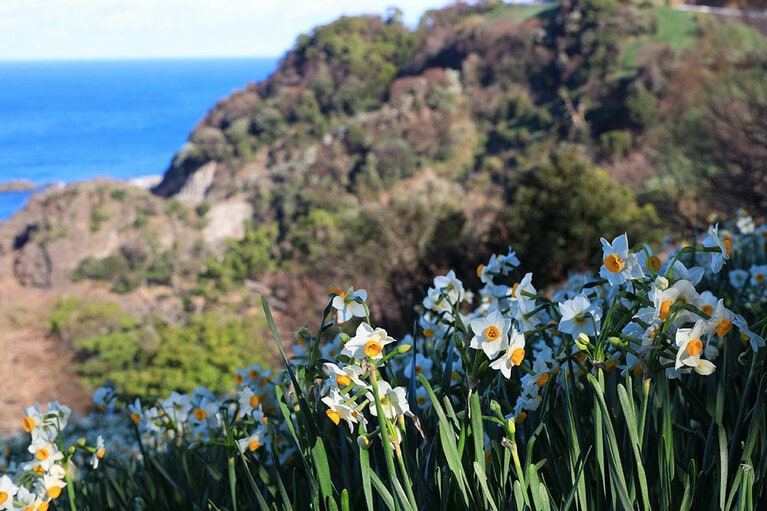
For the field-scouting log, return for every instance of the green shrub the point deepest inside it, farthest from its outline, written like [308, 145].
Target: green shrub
[558, 206]
[153, 358]
[105, 269]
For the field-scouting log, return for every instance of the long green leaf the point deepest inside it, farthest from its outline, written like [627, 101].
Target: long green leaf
[629, 413]
[447, 439]
[384, 493]
[322, 469]
[479, 471]
[365, 471]
[618, 480]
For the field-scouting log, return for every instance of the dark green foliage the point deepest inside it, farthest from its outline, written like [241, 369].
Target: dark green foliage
[133, 266]
[615, 145]
[642, 106]
[247, 258]
[559, 207]
[393, 159]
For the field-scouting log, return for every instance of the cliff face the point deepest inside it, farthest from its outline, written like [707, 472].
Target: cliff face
[45, 242]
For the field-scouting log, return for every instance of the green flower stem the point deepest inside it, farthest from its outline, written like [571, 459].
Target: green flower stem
[385, 435]
[70, 489]
[232, 481]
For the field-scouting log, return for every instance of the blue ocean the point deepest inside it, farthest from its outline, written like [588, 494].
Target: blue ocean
[67, 121]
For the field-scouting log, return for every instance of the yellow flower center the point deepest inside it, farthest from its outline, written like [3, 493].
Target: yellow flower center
[694, 347]
[343, 380]
[238, 378]
[54, 491]
[654, 263]
[373, 348]
[517, 356]
[255, 400]
[519, 419]
[708, 309]
[200, 414]
[42, 453]
[42, 506]
[665, 306]
[101, 452]
[637, 370]
[542, 380]
[428, 333]
[254, 445]
[3, 497]
[727, 246]
[514, 289]
[759, 277]
[421, 400]
[492, 333]
[253, 374]
[723, 328]
[479, 270]
[333, 416]
[29, 424]
[135, 418]
[39, 470]
[613, 263]
[745, 336]
[611, 365]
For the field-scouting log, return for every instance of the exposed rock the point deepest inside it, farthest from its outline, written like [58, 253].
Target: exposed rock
[226, 220]
[19, 185]
[194, 188]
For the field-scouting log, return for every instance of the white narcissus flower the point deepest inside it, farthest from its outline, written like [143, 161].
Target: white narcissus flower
[349, 304]
[746, 334]
[393, 401]
[53, 481]
[580, 315]
[720, 322]
[490, 333]
[339, 407]
[342, 377]
[99, 453]
[367, 343]
[523, 306]
[254, 441]
[689, 348]
[723, 246]
[8, 491]
[681, 292]
[738, 278]
[513, 356]
[758, 274]
[618, 265]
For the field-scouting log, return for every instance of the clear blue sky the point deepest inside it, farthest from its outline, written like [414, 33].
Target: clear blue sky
[66, 29]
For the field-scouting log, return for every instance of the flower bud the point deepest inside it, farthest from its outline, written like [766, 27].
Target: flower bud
[404, 348]
[364, 442]
[661, 282]
[582, 341]
[617, 342]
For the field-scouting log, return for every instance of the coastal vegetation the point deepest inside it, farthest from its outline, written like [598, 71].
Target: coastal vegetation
[487, 149]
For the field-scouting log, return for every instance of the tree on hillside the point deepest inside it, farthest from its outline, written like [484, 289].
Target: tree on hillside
[560, 208]
[736, 121]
